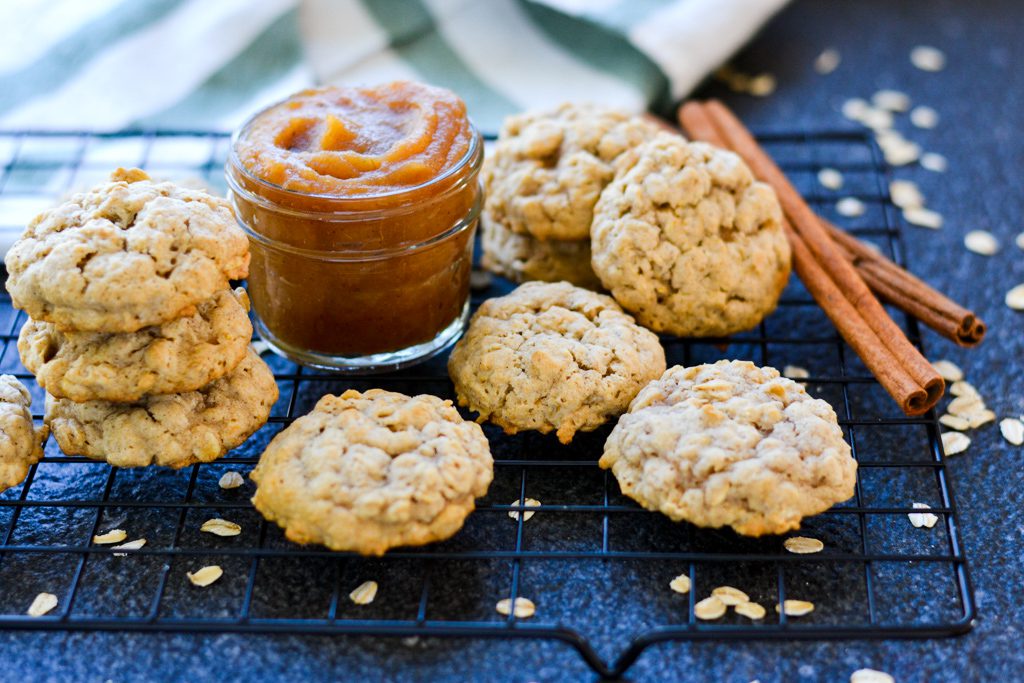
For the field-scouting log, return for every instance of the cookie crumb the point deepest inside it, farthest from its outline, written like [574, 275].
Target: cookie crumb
[43, 603]
[364, 593]
[205, 576]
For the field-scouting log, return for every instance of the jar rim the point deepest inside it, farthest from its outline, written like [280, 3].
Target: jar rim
[473, 158]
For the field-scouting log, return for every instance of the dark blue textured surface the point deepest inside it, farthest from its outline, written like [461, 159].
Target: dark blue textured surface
[979, 97]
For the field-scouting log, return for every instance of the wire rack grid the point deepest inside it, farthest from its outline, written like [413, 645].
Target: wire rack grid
[596, 565]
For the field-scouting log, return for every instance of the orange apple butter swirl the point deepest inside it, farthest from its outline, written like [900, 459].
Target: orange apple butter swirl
[350, 142]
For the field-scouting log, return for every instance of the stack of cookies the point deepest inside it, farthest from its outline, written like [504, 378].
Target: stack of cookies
[134, 332]
[542, 181]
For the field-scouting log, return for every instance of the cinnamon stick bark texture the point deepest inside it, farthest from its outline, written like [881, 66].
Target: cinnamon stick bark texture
[908, 293]
[825, 270]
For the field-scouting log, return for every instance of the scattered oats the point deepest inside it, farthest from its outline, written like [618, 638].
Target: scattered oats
[892, 100]
[870, 676]
[955, 422]
[850, 207]
[260, 347]
[205, 576]
[981, 418]
[709, 609]
[524, 608]
[479, 279]
[220, 527]
[130, 545]
[948, 370]
[796, 608]
[364, 593]
[955, 442]
[112, 536]
[1015, 298]
[933, 161]
[43, 603]
[981, 242]
[963, 388]
[897, 150]
[927, 58]
[736, 80]
[530, 503]
[795, 372]
[1013, 430]
[730, 596]
[830, 178]
[680, 584]
[876, 119]
[922, 519]
[750, 610]
[762, 85]
[966, 405]
[231, 480]
[827, 61]
[922, 217]
[855, 109]
[1019, 241]
[802, 545]
[905, 194]
[924, 117]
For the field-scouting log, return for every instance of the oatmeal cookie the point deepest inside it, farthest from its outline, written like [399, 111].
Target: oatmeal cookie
[175, 357]
[548, 168]
[688, 242]
[375, 470]
[173, 430]
[21, 444]
[731, 444]
[550, 356]
[522, 257]
[126, 255]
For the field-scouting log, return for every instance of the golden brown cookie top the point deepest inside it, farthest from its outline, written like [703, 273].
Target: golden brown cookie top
[548, 168]
[374, 470]
[687, 241]
[125, 255]
[552, 357]
[731, 444]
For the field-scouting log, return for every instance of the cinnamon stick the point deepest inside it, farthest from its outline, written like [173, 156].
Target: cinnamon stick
[907, 292]
[826, 272]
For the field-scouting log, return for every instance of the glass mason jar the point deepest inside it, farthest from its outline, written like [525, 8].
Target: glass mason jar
[366, 283]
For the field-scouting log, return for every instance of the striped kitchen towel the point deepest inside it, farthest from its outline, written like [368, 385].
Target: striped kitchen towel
[208, 64]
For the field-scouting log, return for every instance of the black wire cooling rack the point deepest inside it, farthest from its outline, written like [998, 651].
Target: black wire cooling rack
[596, 566]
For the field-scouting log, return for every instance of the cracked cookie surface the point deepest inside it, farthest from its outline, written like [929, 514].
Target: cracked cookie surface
[548, 168]
[375, 470]
[21, 444]
[178, 356]
[522, 257]
[731, 444]
[125, 255]
[552, 357]
[173, 430]
[687, 241]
